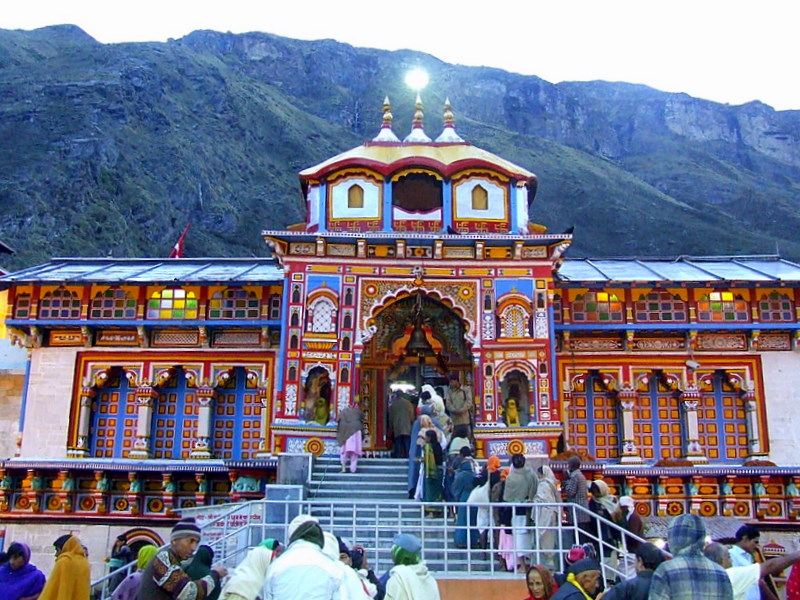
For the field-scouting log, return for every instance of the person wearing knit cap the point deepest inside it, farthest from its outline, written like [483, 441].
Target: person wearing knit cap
[20, 579]
[409, 579]
[129, 588]
[303, 571]
[70, 577]
[583, 580]
[165, 579]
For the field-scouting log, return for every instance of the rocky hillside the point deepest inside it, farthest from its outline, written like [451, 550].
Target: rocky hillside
[111, 149]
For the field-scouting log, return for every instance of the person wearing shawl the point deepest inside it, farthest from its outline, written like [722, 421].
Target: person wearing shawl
[19, 579]
[350, 586]
[199, 566]
[488, 477]
[520, 490]
[689, 575]
[164, 578]
[546, 516]
[129, 588]
[606, 505]
[541, 585]
[70, 578]
[409, 579]
[372, 585]
[583, 579]
[348, 436]
[247, 580]
[425, 410]
[462, 487]
[303, 571]
[433, 470]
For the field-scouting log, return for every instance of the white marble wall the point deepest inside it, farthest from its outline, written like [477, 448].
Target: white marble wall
[782, 390]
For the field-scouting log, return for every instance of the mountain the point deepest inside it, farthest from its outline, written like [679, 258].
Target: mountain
[110, 149]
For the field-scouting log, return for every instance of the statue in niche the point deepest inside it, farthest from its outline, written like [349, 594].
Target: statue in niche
[318, 397]
[512, 413]
[515, 406]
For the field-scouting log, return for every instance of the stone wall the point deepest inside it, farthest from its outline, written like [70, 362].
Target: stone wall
[11, 386]
[98, 539]
[50, 391]
[782, 390]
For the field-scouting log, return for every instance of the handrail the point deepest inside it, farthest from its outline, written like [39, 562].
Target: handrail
[374, 524]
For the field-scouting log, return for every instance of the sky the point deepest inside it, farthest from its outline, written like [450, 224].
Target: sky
[728, 51]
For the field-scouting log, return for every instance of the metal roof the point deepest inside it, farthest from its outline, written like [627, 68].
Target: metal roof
[149, 270]
[753, 269]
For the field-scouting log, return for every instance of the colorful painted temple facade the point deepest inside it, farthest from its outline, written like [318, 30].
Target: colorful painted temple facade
[155, 385]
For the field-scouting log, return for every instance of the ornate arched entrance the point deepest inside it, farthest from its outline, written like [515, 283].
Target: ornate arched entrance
[418, 340]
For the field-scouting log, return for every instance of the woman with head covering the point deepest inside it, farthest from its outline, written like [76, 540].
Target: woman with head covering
[433, 470]
[425, 409]
[371, 583]
[129, 588]
[604, 504]
[583, 581]
[247, 579]
[520, 490]
[200, 566]
[546, 514]
[19, 579]
[349, 436]
[541, 585]
[350, 586]
[121, 555]
[70, 578]
[462, 488]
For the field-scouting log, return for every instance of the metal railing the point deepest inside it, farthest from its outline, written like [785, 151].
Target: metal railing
[373, 526]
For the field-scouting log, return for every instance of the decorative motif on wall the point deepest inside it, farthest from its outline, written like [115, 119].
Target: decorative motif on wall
[302, 248]
[659, 344]
[595, 344]
[775, 341]
[721, 341]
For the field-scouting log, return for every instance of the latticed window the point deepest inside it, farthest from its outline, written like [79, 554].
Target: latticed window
[355, 197]
[513, 322]
[234, 303]
[114, 303]
[658, 306]
[558, 314]
[322, 315]
[22, 306]
[597, 307]
[775, 307]
[275, 307]
[172, 303]
[722, 307]
[60, 304]
[480, 198]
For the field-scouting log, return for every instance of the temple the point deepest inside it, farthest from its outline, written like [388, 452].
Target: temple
[154, 385]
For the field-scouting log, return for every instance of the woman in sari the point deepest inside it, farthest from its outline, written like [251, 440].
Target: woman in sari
[462, 487]
[432, 461]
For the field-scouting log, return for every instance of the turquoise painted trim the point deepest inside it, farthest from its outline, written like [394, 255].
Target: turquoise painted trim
[447, 204]
[387, 205]
[676, 326]
[280, 362]
[512, 208]
[555, 391]
[220, 323]
[322, 226]
[25, 384]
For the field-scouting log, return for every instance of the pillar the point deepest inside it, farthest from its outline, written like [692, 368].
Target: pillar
[82, 449]
[630, 453]
[202, 445]
[694, 451]
[145, 398]
[264, 446]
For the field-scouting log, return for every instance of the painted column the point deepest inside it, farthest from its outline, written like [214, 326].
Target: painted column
[202, 445]
[694, 451]
[84, 420]
[627, 402]
[567, 391]
[264, 445]
[145, 398]
[753, 437]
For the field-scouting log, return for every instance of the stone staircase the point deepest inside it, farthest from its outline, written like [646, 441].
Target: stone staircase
[376, 507]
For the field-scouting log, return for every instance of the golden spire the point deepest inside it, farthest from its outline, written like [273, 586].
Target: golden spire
[417, 134]
[449, 119]
[386, 134]
[449, 134]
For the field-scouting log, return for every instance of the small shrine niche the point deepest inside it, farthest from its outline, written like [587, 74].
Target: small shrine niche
[516, 399]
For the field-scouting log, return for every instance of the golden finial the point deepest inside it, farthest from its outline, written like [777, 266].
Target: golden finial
[386, 134]
[387, 113]
[417, 123]
[449, 119]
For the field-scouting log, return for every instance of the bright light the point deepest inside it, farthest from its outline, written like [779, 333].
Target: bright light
[416, 79]
[401, 386]
[660, 543]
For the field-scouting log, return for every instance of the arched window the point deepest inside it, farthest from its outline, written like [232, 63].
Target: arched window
[172, 303]
[348, 297]
[295, 294]
[597, 307]
[294, 320]
[114, 303]
[60, 304]
[234, 303]
[487, 302]
[294, 342]
[22, 306]
[347, 322]
[292, 373]
[514, 322]
[275, 307]
[722, 307]
[344, 375]
[355, 196]
[480, 198]
[660, 306]
[775, 307]
[346, 343]
[322, 316]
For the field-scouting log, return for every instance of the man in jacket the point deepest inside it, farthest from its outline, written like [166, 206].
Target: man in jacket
[576, 491]
[401, 419]
[648, 557]
[459, 403]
